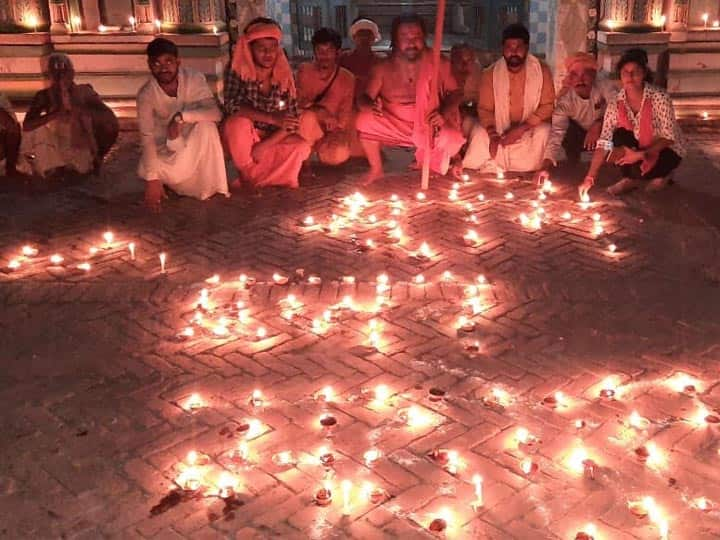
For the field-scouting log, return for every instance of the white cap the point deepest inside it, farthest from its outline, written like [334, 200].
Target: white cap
[365, 24]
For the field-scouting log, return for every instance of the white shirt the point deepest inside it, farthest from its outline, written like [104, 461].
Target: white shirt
[584, 112]
[665, 125]
[155, 109]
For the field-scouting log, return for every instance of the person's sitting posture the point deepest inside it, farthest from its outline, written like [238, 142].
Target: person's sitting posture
[515, 104]
[261, 107]
[466, 70]
[68, 127]
[325, 99]
[640, 131]
[398, 109]
[9, 137]
[361, 59]
[578, 115]
[177, 117]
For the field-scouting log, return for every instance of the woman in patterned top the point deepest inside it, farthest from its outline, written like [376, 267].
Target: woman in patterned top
[639, 130]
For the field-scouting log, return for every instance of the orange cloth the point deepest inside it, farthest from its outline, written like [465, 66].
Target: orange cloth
[587, 60]
[486, 101]
[276, 165]
[244, 65]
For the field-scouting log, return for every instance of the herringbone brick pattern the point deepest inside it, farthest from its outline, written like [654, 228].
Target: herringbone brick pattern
[115, 374]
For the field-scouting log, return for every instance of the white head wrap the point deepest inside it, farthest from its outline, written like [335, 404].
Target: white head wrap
[365, 24]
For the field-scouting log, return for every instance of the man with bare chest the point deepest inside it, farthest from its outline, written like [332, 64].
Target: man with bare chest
[397, 108]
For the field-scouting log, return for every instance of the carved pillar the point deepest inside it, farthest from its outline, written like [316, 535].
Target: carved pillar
[631, 15]
[24, 15]
[193, 15]
[59, 17]
[676, 12]
[144, 14]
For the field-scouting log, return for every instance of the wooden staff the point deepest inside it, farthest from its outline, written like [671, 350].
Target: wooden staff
[437, 45]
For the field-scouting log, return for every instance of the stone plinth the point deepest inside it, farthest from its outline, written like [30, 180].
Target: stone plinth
[612, 44]
[114, 63]
[694, 72]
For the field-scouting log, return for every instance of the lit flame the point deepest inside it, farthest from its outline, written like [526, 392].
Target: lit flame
[108, 236]
[255, 428]
[575, 460]
[382, 393]
[56, 259]
[29, 251]
[371, 456]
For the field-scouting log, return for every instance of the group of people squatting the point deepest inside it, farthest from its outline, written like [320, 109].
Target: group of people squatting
[507, 116]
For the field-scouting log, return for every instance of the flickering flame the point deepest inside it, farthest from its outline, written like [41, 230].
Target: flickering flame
[637, 421]
[522, 435]
[596, 217]
[29, 251]
[453, 195]
[500, 175]
[327, 394]
[575, 461]
[420, 196]
[680, 382]
[425, 250]
[255, 428]
[477, 481]
[612, 248]
[261, 333]
[278, 278]
[158, 24]
[131, 20]
[243, 451]
[213, 280]
[700, 415]
[382, 393]
[371, 456]
[131, 248]
[188, 331]
[85, 267]
[471, 236]
[56, 259]
[33, 21]
[566, 215]
[419, 279]
[501, 396]
[465, 177]
[705, 18]
[585, 198]
[346, 486]
[447, 275]
[191, 457]
[163, 258]
[194, 402]
[281, 104]
[526, 465]
[226, 484]
[108, 236]
[656, 458]
[416, 417]
[560, 399]
[481, 197]
[509, 195]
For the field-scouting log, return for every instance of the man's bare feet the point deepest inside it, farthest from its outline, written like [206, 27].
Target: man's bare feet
[372, 176]
[623, 186]
[657, 184]
[456, 171]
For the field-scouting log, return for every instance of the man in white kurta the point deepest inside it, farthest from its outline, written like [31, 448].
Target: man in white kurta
[515, 104]
[177, 116]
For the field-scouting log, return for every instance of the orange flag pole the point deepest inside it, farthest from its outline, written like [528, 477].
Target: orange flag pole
[437, 45]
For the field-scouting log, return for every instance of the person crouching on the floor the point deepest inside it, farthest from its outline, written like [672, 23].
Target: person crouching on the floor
[177, 118]
[325, 98]
[578, 115]
[639, 130]
[398, 109]
[261, 107]
[68, 128]
[515, 104]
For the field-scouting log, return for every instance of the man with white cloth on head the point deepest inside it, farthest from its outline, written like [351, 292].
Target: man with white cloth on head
[515, 105]
[177, 116]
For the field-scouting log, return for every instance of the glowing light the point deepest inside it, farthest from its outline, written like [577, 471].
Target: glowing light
[465, 177]
[194, 402]
[447, 275]
[705, 115]
[371, 456]
[215, 29]
[131, 248]
[108, 236]
[415, 417]
[188, 331]
[281, 104]
[14, 264]
[420, 196]
[419, 279]
[453, 195]
[213, 280]
[158, 24]
[705, 18]
[261, 333]
[682, 382]
[576, 460]
[382, 393]
[163, 258]
[255, 428]
[85, 267]
[102, 28]
[226, 485]
[56, 259]
[585, 198]
[566, 215]
[522, 435]
[471, 237]
[500, 175]
[611, 24]
[509, 196]
[526, 465]
[309, 221]
[477, 481]
[279, 279]
[425, 250]
[481, 197]
[29, 251]
[33, 21]
[243, 452]
[612, 248]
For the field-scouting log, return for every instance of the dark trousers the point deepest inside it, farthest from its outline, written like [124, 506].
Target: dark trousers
[667, 161]
[574, 141]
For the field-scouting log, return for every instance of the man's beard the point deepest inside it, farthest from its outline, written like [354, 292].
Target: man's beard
[167, 78]
[515, 60]
[411, 53]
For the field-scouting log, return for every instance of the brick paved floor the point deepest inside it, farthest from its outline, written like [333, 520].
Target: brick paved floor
[98, 413]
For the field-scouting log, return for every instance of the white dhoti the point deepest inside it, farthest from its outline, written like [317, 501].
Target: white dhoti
[526, 155]
[50, 147]
[193, 164]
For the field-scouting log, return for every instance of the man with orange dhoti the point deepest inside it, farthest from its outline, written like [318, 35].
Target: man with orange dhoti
[398, 110]
[261, 108]
[325, 99]
[515, 105]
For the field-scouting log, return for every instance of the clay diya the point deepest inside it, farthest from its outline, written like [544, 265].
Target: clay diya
[436, 394]
[437, 525]
[323, 497]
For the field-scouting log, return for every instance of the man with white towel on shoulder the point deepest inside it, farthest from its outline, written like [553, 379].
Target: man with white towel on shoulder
[515, 104]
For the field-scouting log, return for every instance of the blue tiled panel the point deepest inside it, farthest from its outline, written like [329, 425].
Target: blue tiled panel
[280, 11]
[539, 17]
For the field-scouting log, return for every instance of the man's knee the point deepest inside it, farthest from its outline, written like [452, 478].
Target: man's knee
[333, 152]
[237, 126]
[365, 120]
